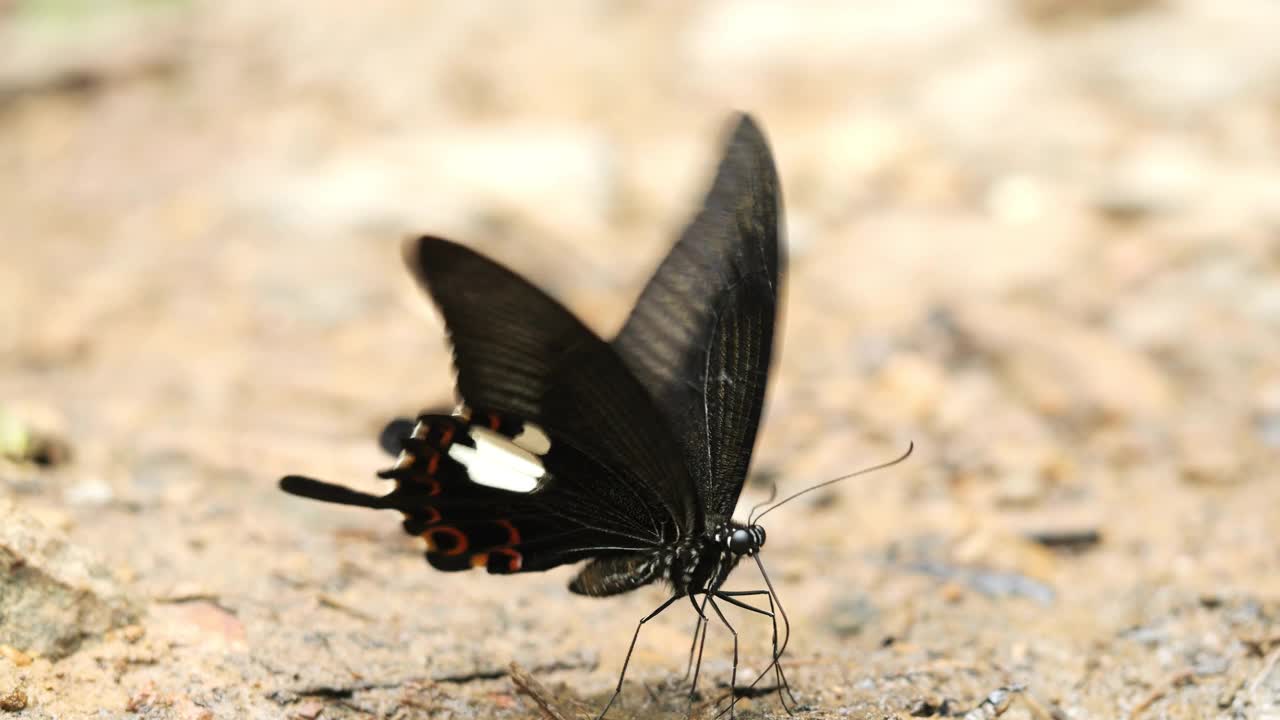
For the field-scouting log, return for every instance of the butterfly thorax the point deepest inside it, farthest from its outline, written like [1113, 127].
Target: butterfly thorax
[704, 562]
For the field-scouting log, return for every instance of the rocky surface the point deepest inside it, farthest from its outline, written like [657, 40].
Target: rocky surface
[1039, 238]
[52, 594]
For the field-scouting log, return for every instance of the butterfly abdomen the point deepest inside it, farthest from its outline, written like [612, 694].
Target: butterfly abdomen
[615, 574]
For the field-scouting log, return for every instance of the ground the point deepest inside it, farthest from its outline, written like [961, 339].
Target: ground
[1039, 238]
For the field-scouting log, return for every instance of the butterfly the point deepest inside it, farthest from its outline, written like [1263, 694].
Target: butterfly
[630, 454]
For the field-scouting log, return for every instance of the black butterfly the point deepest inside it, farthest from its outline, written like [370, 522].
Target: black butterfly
[630, 454]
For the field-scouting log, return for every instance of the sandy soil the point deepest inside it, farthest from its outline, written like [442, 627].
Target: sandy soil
[1040, 238]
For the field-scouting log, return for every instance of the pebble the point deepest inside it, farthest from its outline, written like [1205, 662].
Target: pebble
[1159, 177]
[16, 656]
[14, 436]
[1077, 12]
[309, 710]
[62, 596]
[1017, 200]
[33, 434]
[129, 633]
[204, 622]
[132, 633]
[13, 701]
[850, 614]
[1266, 411]
[90, 492]
[186, 709]
[1021, 488]
[952, 592]
[1208, 454]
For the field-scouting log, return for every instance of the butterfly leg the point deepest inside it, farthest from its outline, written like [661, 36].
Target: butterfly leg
[731, 597]
[733, 674]
[697, 630]
[777, 655]
[623, 675]
[776, 664]
[697, 668]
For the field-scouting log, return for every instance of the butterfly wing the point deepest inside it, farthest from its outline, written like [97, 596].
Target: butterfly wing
[563, 455]
[700, 338]
[459, 485]
[520, 353]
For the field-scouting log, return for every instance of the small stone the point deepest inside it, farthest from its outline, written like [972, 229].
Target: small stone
[16, 656]
[13, 701]
[132, 633]
[1016, 200]
[141, 701]
[52, 594]
[1052, 13]
[309, 710]
[186, 709]
[15, 439]
[1000, 562]
[92, 492]
[203, 621]
[849, 615]
[1159, 177]
[1208, 453]
[1021, 489]
[24, 437]
[952, 592]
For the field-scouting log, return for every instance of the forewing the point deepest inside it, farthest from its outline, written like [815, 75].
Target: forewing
[737, 372]
[700, 338]
[520, 353]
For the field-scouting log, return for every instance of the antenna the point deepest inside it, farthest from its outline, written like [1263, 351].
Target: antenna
[773, 493]
[864, 471]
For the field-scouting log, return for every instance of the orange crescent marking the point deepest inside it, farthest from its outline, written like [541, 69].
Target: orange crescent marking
[495, 422]
[457, 549]
[446, 435]
[514, 535]
[435, 515]
[433, 464]
[480, 560]
[434, 488]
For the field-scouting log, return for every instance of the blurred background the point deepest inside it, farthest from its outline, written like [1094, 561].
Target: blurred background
[1040, 238]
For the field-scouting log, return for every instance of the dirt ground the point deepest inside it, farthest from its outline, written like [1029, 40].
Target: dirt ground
[1039, 238]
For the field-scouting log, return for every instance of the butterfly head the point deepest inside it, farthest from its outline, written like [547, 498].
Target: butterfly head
[741, 539]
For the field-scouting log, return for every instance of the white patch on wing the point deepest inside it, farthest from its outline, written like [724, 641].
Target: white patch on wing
[498, 462]
[532, 438]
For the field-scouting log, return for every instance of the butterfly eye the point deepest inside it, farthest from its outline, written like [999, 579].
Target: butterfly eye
[740, 542]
